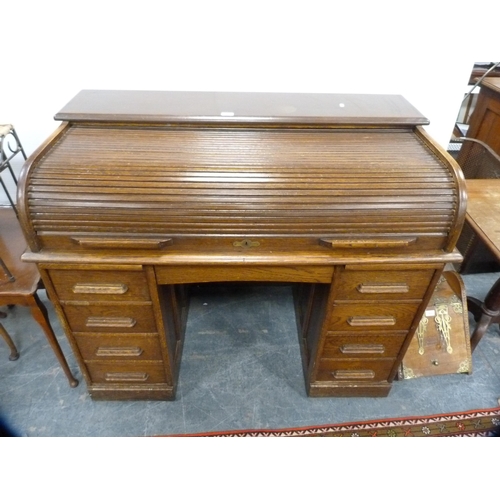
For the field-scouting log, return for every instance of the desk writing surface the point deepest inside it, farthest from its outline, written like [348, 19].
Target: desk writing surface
[483, 210]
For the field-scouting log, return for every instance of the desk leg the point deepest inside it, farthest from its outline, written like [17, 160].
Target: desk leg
[39, 313]
[485, 313]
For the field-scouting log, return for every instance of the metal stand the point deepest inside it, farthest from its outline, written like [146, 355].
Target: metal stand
[14, 354]
[10, 147]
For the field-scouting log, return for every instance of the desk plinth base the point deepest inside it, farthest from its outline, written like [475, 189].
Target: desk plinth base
[107, 393]
[344, 390]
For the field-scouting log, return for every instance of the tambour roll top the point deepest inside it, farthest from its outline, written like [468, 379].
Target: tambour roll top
[177, 171]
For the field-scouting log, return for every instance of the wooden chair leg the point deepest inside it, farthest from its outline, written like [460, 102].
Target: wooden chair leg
[39, 313]
[14, 354]
[485, 313]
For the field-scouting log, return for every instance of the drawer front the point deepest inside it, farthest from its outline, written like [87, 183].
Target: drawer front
[102, 318]
[100, 285]
[363, 370]
[126, 372]
[227, 272]
[383, 284]
[105, 347]
[372, 317]
[362, 346]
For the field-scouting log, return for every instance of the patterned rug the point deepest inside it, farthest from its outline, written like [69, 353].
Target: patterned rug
[473, 423]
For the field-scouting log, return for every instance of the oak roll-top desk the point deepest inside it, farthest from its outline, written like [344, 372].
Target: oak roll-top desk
[137, 195]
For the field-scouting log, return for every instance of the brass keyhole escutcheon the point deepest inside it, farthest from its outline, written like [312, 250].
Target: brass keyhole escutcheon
[246, 243]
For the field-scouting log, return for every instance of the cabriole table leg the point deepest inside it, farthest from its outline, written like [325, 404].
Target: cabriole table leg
[39, 313]
[14, 354]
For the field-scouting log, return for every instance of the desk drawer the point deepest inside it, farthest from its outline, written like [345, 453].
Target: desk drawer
[383, 284]
[354, 370]
[100, 285]
[102, 318]
[126, 372]
[372, 317]
[362, 346]
[105, 347]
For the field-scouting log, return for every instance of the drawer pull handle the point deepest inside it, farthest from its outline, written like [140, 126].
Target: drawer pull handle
[368, 243]
[353, 374]
[371, 321]
[126, 377]
[103, 288]
[362, 349]
[119, 351]
[132, 243]
[105, 322]
[383, 288]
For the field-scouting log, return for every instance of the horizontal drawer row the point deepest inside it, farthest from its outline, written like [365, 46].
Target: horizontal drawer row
[372, 317]
[375, 285]
[96, 285]
[363, 346]
[126, 372]
[355, 370]
[105, 347]
[101, 317]
[387, 284]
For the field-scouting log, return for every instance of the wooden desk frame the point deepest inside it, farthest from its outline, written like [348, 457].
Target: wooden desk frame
[344, 196]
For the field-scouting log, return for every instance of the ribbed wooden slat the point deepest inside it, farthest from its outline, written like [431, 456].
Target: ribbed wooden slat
[240, 181]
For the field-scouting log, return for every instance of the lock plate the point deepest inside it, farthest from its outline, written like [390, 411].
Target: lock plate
[246, 243]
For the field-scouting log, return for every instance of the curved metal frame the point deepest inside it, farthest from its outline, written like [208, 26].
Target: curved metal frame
[8, 150]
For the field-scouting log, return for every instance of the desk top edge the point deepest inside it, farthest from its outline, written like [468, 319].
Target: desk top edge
[492, 83]
[240, 108]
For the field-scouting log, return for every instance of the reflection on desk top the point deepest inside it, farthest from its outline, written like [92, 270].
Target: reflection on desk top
[483, 211]
[239, 107]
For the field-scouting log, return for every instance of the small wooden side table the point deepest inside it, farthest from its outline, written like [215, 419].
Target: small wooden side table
[22, 289]
[483, 215]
